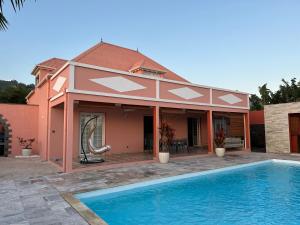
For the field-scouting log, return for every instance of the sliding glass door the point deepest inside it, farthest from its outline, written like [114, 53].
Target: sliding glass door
[98, 136]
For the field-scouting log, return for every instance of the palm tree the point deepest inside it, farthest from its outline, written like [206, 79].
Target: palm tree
[16, 5]
[265, 94]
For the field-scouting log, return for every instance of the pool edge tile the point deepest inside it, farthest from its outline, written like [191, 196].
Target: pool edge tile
[88, 215]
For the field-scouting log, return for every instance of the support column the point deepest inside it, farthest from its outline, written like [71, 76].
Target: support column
[156, 131]
[68, 134]
[210, 136]
[49, 133]
[247, 132]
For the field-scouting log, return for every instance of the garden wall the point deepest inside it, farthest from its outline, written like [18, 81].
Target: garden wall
[22, 122]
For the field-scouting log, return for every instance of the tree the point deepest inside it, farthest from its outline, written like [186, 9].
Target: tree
[287, 92]
[265, 94]
[255, 103]
[16, 5]
[15, 92]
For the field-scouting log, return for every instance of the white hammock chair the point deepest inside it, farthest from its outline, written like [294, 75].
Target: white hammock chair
[93, 150]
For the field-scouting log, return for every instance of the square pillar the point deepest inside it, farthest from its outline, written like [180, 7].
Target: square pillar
[155, 131]
[210, 136]
[68, 134]
[49, 133]
[247, 131]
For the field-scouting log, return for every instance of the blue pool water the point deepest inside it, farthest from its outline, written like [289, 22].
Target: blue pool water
[265, 193]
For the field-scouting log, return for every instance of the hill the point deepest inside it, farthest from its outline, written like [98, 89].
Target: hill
[14, 91]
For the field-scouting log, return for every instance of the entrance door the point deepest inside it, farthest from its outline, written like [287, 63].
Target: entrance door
[294, 126]
[148, 133]
[194, 132]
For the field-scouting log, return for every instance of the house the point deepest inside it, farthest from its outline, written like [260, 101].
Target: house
[282, 127]
[130, 94]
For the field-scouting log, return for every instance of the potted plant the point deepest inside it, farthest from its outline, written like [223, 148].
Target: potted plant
[26, 145]
[220, 142]
[166, 139]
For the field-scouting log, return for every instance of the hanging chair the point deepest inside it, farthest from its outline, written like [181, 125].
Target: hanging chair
[94, 151]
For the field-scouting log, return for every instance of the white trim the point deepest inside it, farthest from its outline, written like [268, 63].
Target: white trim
[118, 83]
[149, 77]
[59, 83]
[248, 104]
[157, 86]
[56, 96]
[58, 71]
[72, 77]
[29, 94]
[75, 91]
[185, 93]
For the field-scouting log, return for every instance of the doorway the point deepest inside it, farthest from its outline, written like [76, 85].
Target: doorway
[194, 132]
[294, 127]
[5, 137]
[148, 133]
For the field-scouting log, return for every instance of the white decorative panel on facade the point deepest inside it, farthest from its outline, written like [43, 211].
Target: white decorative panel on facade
[230, 98]
[119, 84]
[185, 93]
[59, 83]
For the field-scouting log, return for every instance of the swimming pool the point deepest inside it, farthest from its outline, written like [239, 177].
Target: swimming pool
[267, 192]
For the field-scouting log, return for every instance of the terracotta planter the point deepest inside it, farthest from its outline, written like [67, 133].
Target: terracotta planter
[26, 151]
[220, 152]
[164, 157]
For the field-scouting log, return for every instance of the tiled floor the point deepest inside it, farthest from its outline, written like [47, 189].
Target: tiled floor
[30, 189]
[131, 157]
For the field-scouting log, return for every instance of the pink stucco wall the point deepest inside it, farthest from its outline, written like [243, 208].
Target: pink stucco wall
[165, 93]
[56, 133]
[64, 73]
[23, 123]
[83, 82]
[40, 97]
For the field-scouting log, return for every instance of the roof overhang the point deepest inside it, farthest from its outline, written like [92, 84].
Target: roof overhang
[37, 67]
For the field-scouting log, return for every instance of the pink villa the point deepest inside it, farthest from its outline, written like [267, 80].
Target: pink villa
[130, 94]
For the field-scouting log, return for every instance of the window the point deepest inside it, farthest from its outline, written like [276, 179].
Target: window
[99, 133]
[221, 122]
[37, 79]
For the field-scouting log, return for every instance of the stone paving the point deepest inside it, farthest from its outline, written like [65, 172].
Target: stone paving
[30, 190]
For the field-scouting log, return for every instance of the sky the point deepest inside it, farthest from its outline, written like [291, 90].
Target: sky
[234, 44]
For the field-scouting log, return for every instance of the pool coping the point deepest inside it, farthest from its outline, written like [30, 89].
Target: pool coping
[87, 214]
[93, 219]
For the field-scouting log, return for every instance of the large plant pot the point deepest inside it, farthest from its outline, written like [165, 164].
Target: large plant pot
[164, 157]
[26, 151]
[220, 152]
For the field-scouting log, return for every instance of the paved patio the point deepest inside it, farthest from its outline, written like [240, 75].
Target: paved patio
[30, 190]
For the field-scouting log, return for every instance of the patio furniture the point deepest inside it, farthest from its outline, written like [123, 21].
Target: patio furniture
[94, 151]
[179, 145]
[234, 142]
